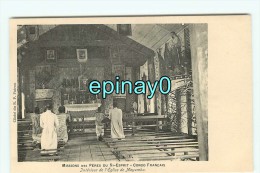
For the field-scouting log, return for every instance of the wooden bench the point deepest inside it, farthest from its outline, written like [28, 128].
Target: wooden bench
[162, 154]
[181, 157]
[156, 147]
[150, 143]
[145, 138]
[134, 122]
[39, 155]
[24, 138]
[81, 124]
[126, 152]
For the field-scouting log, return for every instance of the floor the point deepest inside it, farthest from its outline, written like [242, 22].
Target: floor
[88, 149]
[144, 145]
[77, 149]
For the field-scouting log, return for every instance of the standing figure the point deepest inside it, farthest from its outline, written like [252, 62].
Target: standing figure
[63, 120]
[116, 115]
[99, 125]
[49, 122]
[172, 55]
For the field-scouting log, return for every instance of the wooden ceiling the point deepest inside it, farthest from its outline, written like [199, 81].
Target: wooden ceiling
[152, 36]
[21, 35]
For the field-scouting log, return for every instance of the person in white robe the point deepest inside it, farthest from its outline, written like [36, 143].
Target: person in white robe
[49, 122]
[116, 115]
[63, 118]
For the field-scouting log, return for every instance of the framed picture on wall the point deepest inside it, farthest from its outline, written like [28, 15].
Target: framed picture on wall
[82, 55]
[51, 55]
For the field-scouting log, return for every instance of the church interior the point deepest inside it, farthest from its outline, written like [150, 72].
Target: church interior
[56, 62]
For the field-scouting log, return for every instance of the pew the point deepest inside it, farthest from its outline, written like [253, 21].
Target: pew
[132, 152]
[155, 145]
[163, 154]
[133, 122]
[81, 124]
[144, 147]
[144, 138]
[151, 143]
[127, 151]
[182, 157]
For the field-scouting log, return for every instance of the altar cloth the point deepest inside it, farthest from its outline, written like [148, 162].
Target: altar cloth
[81, 107]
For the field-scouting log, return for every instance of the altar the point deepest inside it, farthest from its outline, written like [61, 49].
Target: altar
[81, 107]
[82, 117]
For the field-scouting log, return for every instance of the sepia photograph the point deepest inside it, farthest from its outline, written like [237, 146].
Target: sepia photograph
[60, 121]
[130, 94]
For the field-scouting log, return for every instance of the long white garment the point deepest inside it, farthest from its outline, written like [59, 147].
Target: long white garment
[49, 122]
[116, 123]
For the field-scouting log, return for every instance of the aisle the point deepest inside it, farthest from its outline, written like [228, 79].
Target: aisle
[87, 149]
[77, 149]
[143, 146]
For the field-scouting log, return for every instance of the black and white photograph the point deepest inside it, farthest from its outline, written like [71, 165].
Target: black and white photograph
[59, 120]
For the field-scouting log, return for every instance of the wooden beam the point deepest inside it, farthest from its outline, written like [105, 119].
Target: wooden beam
[169, 157]
[178, 110]
[158, 152]
[128, 41]
[155, 143]
[76, 43]
[189, 112]
[120, 149]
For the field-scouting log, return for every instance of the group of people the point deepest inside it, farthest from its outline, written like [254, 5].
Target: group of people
[49, 128]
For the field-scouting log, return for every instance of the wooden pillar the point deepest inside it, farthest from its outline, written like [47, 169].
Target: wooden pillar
[178, 110]
[22, 97]
[189, 112]
[19, 95]
[199, 59]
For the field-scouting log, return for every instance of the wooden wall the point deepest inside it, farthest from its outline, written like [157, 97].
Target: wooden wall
[103, 52]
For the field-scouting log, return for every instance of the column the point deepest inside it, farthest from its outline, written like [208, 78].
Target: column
[199, 60]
